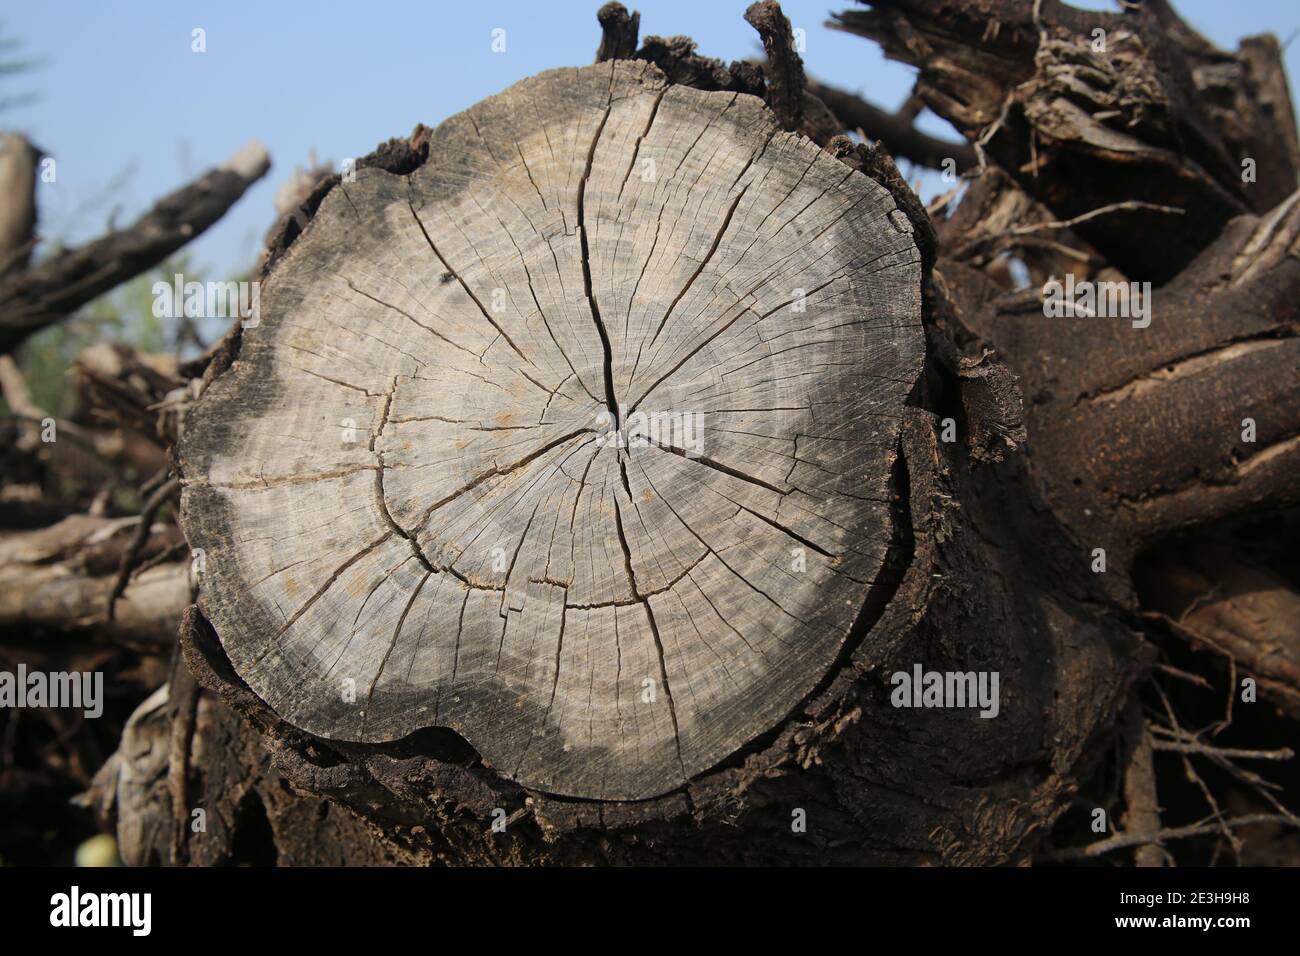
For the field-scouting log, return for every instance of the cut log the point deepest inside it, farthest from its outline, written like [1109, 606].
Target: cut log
[436, 528]
[577, 440]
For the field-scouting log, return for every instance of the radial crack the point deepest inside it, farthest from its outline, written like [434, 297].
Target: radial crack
[586, 273]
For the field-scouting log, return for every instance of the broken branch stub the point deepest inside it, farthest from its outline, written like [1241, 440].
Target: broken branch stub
[422, 491]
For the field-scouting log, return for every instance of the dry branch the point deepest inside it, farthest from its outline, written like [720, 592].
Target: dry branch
[62, 578]
[1122, 841]
[18, 161]
[896, 131]
[1141, 800]
[57, 287]
[1057, 105]
[784, 72]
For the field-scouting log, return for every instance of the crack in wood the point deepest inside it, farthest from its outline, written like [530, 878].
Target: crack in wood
[548, 573]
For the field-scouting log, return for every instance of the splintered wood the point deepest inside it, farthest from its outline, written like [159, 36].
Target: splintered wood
[423, 494]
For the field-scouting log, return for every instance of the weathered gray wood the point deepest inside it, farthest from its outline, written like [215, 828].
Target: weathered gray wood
[412, 512]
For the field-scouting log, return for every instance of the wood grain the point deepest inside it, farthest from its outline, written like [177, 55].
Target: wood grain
[412, 513]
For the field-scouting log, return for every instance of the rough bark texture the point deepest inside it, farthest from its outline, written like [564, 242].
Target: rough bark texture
[250, 816]
[1145, 116]
[879, 785]
[618, 32]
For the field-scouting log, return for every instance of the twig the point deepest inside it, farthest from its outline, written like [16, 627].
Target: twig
[1196, 679]
[1260, 785]
[1227, 753]
[1121, 841]
[132, 553]
[1195, 777]
[1132, 204]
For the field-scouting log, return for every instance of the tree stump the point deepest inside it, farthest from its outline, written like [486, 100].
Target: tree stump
[576, 440]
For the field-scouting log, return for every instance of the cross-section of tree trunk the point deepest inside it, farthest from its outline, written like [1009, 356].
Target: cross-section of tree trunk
[577, 440]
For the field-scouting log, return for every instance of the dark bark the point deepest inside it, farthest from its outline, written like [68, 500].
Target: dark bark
[784, 73]
[678, 58]
[53, 289]
[1129, 121]
[619, 31]
[895, 130]
[1140, 432]
[193, 783]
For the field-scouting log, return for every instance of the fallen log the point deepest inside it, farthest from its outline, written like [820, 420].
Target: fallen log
[568, 483]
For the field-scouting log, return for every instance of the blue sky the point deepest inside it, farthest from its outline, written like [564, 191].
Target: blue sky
[130, 113]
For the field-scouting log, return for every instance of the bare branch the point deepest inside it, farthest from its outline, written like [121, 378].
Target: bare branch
[56, 288]
[1121, 841]
[895, 130]
[1142, 806]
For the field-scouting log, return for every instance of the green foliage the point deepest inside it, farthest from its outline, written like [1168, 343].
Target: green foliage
[12, 64]
[122, 315]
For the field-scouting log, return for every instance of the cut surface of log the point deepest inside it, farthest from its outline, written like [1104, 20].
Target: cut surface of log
[577, 440]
